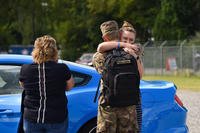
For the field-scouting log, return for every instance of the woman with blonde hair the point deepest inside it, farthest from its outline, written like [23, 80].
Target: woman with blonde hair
[45, 82]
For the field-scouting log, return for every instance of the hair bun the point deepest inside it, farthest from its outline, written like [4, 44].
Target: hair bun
[127, 24]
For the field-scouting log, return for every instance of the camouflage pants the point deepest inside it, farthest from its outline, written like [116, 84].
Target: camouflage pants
[117, 120]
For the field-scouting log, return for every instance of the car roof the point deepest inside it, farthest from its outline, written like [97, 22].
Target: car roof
[15, 59]
[27, 59]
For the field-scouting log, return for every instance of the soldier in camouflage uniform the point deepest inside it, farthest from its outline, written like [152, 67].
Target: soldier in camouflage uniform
[112, 119]
[127, 36]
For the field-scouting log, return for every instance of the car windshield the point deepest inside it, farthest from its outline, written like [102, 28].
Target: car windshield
[9, 77]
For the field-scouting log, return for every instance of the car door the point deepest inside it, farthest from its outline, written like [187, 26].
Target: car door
[10, 98]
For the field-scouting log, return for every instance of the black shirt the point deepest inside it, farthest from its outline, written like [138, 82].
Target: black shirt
[45, 100]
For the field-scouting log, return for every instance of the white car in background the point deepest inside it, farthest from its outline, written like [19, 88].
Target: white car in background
[85, 59]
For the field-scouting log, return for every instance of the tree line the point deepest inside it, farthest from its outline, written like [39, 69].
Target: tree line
[75, 23]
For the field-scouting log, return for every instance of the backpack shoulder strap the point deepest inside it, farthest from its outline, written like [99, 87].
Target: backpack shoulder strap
[96, 94]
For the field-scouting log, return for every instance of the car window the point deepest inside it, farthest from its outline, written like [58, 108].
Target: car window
[9, 79]
[9, 76]
[2, 82]
[80, 79]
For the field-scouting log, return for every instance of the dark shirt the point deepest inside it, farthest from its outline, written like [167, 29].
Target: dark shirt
[45, 100]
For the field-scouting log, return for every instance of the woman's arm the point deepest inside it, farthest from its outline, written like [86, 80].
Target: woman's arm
[105, 46]
[70, 83]
[21, 84]
[140, 67]
[139, 61]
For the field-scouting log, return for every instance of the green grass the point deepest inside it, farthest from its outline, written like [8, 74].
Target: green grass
[182, 82]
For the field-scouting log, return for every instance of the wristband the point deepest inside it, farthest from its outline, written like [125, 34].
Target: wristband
[118, 45]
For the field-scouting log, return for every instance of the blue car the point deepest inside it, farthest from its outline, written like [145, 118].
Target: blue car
[163, 111]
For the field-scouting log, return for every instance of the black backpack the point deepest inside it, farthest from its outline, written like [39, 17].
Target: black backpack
[120, 79]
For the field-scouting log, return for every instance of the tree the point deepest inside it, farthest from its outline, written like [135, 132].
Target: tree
[140, 13]
[174, 20]
[75, 23]
[195, 40]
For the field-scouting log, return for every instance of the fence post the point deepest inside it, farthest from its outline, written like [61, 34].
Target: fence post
[161, 49]
[181, 54]
[193, 55]
[145, 44]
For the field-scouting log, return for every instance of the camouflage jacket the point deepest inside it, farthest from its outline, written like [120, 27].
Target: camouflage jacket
[98, 63]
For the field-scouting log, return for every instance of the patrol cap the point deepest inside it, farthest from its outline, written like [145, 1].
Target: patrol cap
[109, 27]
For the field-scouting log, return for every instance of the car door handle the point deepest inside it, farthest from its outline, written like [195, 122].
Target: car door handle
[5, 111]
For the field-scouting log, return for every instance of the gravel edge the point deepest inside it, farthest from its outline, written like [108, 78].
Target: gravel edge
[191, 100]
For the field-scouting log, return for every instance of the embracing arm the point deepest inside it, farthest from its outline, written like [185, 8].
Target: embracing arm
[140, 67]
[139, 61]
[105, 46]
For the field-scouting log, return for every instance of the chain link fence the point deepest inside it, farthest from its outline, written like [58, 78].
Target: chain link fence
[159, 60]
